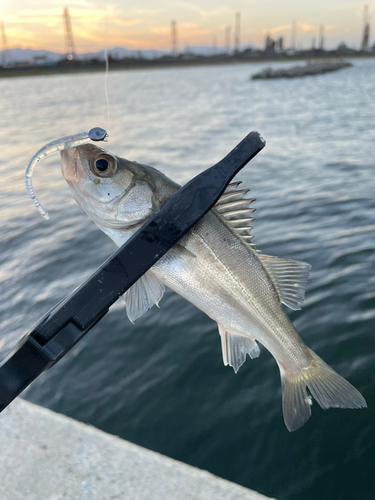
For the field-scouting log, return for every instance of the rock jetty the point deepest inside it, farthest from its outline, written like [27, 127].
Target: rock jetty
[311, 68]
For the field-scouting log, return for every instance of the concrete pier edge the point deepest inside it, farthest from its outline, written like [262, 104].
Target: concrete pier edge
[48, 456]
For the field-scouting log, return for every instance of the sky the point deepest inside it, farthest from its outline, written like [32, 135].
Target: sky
[146, 24]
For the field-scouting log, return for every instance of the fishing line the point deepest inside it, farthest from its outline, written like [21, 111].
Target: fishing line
[106, 64]
[105, 84]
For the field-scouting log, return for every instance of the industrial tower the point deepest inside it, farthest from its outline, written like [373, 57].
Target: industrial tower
[214, 44]
[293, 35]
[5, 45]
[237, 39]
[228, 30]
[69, 40]
[366, 30]
[321, 37]
[174, 38]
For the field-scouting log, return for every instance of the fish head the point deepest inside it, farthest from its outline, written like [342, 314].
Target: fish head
[118, 194]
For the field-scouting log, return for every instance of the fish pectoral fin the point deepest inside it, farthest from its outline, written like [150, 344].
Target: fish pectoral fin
[235, 347]
[145, 292]
[289, 277]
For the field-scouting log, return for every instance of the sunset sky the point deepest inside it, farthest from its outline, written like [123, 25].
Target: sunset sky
[143, 24]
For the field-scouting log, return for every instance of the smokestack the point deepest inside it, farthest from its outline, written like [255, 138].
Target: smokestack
[321, 37]
[366, 30]
[214, 44]
[5, 44]
[228, 38]
[174, 38]
[294, 35]
[237, 32]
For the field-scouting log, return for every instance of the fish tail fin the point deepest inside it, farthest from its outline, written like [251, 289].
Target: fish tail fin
[296, 402]
[326, 386]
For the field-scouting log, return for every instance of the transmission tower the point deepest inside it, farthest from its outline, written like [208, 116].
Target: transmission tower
[69, 40]
[5, 45]
[366, 30]
[174, 38]
[237, 39]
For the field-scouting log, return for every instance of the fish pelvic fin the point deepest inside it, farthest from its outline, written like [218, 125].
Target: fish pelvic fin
[327, 387]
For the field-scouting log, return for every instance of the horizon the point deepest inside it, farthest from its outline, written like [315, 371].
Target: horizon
[146, 27]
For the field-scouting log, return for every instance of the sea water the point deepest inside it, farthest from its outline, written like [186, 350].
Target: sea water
[161, 383]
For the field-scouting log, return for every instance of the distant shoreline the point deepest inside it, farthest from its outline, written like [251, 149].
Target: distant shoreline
[70, 67]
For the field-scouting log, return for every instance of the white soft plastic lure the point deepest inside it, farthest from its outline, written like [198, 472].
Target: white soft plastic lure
[70, 141]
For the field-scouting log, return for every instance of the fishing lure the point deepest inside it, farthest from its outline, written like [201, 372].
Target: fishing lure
[71, 141]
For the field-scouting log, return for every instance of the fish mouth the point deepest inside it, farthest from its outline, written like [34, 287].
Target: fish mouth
[72, 167]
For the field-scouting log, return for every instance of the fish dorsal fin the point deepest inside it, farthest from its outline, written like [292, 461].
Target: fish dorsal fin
[145, 292]
[289, 277]
[235, 209]
[235, 347]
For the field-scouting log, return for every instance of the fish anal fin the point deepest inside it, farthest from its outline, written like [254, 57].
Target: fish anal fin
[145, 292]
[235, 347]
[289, 277]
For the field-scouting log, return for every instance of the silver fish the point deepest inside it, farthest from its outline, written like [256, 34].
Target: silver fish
[216, 267]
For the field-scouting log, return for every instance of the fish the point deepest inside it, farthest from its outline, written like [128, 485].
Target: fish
[217, 267]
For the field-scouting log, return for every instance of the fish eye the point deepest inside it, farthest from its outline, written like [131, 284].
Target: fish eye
[103, 165]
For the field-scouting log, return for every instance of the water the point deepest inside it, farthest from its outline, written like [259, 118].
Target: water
[161, 382]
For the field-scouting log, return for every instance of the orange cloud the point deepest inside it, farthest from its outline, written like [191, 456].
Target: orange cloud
[161, 30]
[305, 27]
[96, 25]
[127, 22]
[272, 31]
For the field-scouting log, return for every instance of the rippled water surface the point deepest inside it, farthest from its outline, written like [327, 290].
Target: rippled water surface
[161, 382]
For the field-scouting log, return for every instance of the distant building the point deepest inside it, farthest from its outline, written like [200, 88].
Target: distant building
[21, 64]
[270, 45]
[344, 49]
[42, 60]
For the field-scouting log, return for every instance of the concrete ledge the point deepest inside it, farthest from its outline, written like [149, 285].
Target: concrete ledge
[47, 456]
